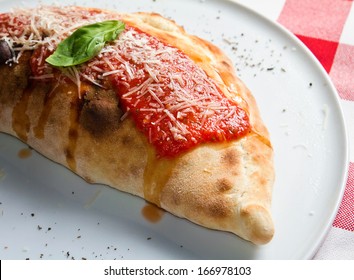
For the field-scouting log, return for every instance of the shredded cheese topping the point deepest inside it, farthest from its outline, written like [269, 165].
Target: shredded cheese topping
[26, 29]
[143, 68]
[154, 69]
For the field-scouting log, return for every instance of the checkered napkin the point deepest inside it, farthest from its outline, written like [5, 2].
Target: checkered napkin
[326, 27]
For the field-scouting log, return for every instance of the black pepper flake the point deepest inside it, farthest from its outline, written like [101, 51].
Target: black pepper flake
[39, 227]
[270, 68]
[78, 237]
[84, 259]
[310, 84]
[32, 214]
[149, 238]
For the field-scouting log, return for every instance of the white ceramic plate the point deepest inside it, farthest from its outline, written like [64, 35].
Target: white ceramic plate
[48, 212]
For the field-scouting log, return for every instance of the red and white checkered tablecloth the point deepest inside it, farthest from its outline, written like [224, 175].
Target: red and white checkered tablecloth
[326, 27]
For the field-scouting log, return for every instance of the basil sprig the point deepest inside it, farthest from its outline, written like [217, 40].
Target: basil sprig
[85, 43]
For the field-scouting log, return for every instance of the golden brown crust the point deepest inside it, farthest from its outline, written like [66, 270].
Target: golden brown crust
[220, 186]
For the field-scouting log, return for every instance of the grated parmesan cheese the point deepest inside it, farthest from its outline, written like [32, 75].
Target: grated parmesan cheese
[169, 85]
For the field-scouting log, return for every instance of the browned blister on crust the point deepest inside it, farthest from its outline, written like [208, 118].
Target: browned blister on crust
[224, 186]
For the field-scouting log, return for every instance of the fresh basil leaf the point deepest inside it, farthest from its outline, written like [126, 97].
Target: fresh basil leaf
[85, 43]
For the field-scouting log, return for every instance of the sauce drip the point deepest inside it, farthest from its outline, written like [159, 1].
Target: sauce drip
[75, 110]
[43, 118]
[156, 174]
[20, 120]
[152, 213]
[24, 153]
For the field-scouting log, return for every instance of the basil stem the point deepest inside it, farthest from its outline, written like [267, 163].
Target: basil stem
[85, 43]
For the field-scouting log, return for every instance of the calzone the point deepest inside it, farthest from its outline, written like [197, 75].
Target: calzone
[154, 112]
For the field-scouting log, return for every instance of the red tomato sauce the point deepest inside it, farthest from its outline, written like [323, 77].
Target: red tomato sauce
[171, 100]
[170, 126]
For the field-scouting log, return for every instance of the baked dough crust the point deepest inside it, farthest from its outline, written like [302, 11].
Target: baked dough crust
[222, 186]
